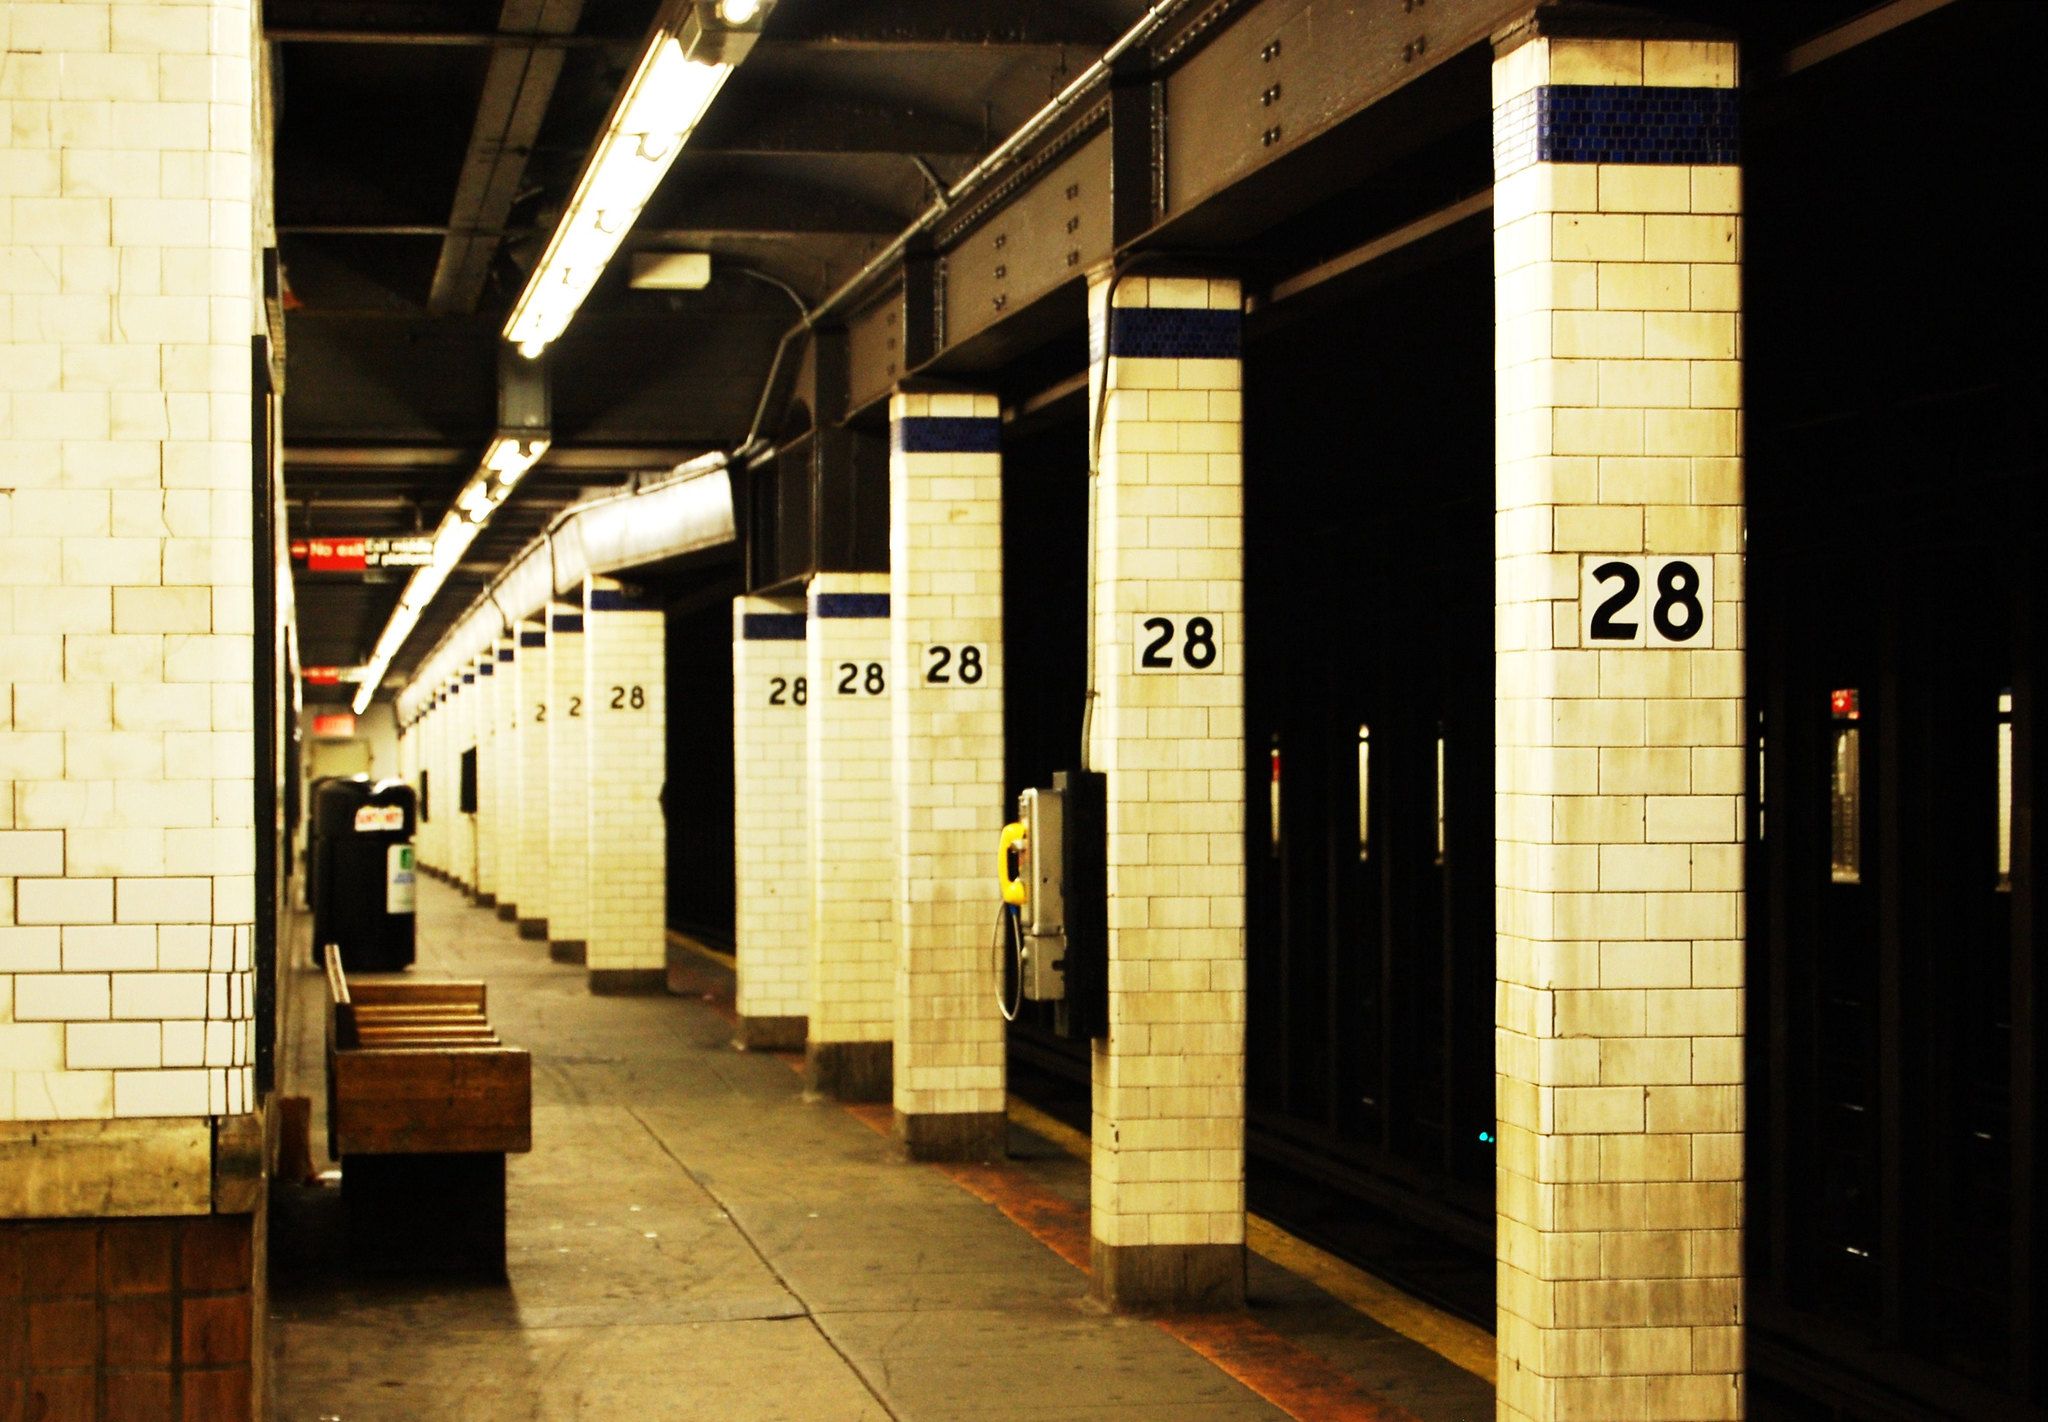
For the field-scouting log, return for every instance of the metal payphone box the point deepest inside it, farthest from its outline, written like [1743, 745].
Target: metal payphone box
[1042, 954]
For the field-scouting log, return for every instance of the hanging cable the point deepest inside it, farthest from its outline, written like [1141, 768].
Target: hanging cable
[1008, 943]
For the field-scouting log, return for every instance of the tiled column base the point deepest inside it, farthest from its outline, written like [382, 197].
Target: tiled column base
[850, 1071]
[772, 1034]
[954, 1135]
[628, 982]
[1167, 1276]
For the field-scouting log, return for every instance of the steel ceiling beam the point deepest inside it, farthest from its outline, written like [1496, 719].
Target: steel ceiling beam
[518, 86]
[940, 24]
[785, 124]
[467, 39]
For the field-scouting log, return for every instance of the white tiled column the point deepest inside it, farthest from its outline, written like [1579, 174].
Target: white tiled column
[483, 725]
[1167, 1207]
[531, 712]
[1619, 1041]
[507, 761]
[771, 847]
[852, 837]
[568, 788]
[624, 709]
[127, 840]
[946, 639]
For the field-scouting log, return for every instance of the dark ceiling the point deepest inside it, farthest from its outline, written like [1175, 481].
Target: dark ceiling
[424, 150]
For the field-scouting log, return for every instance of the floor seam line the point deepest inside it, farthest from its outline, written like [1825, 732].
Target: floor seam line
[739, 1227]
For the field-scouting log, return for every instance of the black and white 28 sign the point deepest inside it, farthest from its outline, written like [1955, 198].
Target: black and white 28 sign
[1176, 642]
[1633, 601]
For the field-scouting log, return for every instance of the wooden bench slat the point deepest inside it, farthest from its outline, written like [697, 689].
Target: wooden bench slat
[406, 1102]
[366, 994]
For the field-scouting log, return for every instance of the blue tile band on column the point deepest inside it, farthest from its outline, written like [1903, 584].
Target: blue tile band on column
[532, 639]
[567, 622]
[504, 654]
[1175, 333]
[772, 626]
[851, 605]
[618, 600]
[949, 434]
[1617, 123]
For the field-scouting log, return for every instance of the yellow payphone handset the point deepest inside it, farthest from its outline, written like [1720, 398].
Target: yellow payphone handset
[1013, 884]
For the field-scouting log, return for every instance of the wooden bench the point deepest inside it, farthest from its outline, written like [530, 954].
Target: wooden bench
[423, 1104]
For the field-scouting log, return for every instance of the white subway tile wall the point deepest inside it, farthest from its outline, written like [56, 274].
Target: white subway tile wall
[127, 302]
[624, 711]
[1620, 891]
[852, 822]
[946, 640]
[568, 779]
[531, 713]
[1169, 545]
[771, 810]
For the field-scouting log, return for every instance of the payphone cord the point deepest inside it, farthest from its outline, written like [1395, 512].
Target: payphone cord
[1008, 942]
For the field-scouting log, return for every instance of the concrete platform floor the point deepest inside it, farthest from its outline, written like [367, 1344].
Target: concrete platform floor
[693, 1239]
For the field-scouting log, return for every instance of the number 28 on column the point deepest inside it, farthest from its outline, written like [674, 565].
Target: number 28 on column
[1632, 601]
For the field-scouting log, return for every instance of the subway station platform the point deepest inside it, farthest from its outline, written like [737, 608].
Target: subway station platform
[691, 1237]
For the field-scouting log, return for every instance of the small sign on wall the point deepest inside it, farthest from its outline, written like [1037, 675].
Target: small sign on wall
[379, 819]
[1627, 600]
[401, 886]
[334, 726]
[1176, 642]
[953, 663]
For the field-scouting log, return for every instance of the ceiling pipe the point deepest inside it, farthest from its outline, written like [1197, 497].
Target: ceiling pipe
[660, 519]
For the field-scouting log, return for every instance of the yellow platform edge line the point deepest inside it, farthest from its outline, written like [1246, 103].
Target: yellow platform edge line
[1457, 1342]
[702, 950]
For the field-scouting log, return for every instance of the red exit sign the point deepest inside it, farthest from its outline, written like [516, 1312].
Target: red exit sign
[334, 726]
[331, 555]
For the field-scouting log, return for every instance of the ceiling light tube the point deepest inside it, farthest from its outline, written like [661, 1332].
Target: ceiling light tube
[695, 45]
[504, 464]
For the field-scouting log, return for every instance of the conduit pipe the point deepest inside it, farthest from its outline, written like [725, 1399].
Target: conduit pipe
[686, 511]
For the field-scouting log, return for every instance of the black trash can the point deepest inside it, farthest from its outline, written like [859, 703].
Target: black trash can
[363, 873]
[313, 838]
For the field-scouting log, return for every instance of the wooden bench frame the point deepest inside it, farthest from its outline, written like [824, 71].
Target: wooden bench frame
[423, 1104]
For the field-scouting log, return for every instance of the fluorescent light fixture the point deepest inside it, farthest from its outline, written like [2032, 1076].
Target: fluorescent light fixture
[512, 455]
[671, 271]
[685, 64]
[504, 464]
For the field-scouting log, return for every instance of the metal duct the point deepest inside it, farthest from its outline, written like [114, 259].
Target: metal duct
[608, 535]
